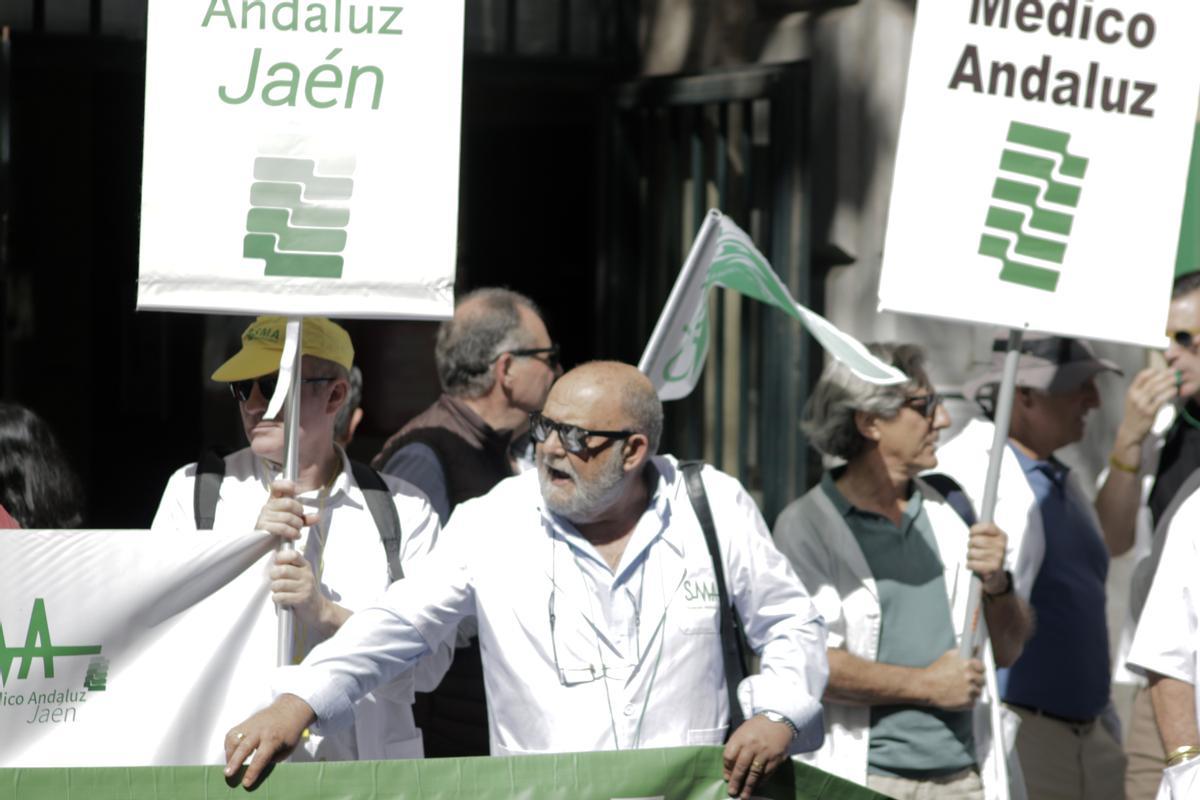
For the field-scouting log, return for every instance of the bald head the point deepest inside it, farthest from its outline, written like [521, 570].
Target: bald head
[610, 395]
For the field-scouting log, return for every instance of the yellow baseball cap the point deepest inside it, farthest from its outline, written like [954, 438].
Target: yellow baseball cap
[262, 347]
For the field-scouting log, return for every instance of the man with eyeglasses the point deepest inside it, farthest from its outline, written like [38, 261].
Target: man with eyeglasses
[1069, 738]
[596, 601]
[496, 363]
[889, 561]
[1155, 453]
[339, 562]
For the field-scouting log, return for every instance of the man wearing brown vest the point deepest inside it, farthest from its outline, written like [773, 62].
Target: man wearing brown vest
[496, 364]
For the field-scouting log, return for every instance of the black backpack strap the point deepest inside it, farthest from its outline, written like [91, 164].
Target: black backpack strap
[731, 626]
[950, 489]
[383, 511]
[210, 471]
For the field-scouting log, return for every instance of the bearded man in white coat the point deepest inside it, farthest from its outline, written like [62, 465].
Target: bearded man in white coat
[583, 575]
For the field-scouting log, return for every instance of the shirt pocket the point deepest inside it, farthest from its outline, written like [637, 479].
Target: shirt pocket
[697, 603]
[703, 736]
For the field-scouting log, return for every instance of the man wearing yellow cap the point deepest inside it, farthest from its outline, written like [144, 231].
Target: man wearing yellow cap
[341, 558]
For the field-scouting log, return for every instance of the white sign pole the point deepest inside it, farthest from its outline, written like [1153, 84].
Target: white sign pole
[970, 643]
[291, 472]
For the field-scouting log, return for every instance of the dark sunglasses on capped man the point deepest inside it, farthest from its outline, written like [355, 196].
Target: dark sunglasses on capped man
[266, 385]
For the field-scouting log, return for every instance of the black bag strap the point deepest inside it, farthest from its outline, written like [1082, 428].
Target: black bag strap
[383, 511]
[210, 471]
[955, 495]
[731, 625]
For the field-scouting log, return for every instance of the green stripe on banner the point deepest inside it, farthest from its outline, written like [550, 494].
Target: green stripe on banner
[683, 773]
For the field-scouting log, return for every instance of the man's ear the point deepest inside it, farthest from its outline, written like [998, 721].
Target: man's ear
[635, 451]
[868, 425]
[501, 369]
[338, 395]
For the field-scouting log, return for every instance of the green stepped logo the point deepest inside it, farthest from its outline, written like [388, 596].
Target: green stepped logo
[38, 646]
[297, 220]
[1029, 239]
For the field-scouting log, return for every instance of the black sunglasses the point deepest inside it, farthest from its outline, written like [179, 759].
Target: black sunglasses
[266, 384]
[926, 405]
[551, 354]
[574, 438]
[1183, 338]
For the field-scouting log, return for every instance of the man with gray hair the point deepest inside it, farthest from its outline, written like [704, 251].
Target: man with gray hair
[496, 363]
[889, 562]
[597, 606]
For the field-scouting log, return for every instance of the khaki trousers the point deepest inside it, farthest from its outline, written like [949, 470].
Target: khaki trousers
[964, 785]
[1065, 761]
[1144, 749]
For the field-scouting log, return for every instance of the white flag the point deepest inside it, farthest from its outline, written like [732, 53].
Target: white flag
[723, 255]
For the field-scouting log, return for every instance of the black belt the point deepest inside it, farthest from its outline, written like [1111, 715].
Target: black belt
[1056, 717]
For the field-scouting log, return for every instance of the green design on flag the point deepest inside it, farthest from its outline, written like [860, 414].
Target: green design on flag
[723, 255]
[1028, 258]
[294, 223]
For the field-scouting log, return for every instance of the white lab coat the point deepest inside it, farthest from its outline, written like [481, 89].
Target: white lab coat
[576, 656]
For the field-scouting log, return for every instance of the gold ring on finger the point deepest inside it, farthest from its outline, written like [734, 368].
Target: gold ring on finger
[238, 736]
[756, 766]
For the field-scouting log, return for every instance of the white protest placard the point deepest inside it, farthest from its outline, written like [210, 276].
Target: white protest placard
[301, 157]
[146, 660]
[1042, 165]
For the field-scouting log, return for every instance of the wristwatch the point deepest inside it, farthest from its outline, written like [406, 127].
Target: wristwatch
[775, 716]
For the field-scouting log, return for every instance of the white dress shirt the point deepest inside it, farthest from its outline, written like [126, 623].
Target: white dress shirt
[578, 656]
[348, 558]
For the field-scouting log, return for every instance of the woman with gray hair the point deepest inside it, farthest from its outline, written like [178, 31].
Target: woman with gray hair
[888, 562]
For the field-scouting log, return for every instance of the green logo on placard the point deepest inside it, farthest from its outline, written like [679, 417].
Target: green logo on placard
[38, 646]
[297, 220]
[1028, 237]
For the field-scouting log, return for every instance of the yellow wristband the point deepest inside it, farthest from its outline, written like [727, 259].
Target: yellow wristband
[1181, 754]
[1117, 463]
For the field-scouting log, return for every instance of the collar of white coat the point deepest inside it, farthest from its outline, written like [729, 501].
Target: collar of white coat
[654, 523]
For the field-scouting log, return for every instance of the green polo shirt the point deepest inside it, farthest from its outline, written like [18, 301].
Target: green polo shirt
[915, 629]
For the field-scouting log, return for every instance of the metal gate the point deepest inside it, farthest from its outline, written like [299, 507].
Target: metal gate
[737, 141]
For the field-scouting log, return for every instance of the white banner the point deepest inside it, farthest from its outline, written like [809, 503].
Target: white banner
[1042, 164]
[130, 647]
[301, 158]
